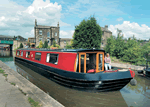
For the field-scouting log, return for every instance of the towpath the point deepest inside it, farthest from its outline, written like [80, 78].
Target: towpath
[17, 95]
[123, 65]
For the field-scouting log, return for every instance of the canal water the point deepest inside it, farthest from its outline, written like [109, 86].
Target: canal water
[129, 96]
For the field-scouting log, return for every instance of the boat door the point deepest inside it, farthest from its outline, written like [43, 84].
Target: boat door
[90, 61]
[82, 62]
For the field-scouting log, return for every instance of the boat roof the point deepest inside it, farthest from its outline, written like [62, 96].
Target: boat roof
[63, 50]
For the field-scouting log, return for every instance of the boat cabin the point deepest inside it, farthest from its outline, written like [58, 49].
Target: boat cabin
[73, 60]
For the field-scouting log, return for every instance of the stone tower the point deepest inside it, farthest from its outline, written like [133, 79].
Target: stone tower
[35, 22]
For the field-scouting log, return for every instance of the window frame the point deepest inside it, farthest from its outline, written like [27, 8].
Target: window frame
[55, 33]
[50, 58]
[48, 34]
[28, 54]
[40, 32]
[17, 53]
[40, 39]
[40, 56]
[21, 53]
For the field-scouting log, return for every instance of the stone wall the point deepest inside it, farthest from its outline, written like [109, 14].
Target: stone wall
[105, 35]
[16, 43]
[64, 41]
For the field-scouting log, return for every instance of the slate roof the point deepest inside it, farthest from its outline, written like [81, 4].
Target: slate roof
[6, 36]
[105, 29]
[62, 39]
[42, 26]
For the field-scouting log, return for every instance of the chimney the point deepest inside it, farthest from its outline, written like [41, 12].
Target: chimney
[106, 26]
[35, 22]
[58, 24]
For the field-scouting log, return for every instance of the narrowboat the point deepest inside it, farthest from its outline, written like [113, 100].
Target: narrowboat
[75, 68]
[146, 70]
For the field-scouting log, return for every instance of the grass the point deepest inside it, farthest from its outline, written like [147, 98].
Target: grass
[2, 72]
[22, 91]
[33, 103]
[13, 83]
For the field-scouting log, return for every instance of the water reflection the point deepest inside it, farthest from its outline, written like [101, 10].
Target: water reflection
[138, 95]
[70, 97]
[4, 53]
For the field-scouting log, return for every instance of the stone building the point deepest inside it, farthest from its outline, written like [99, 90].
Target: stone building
[105, 34]
[16, 44]
[46, 33]
[64, 41]
[32, 41]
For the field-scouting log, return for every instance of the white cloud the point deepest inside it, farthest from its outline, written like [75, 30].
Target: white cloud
[130, 29]
[120, 19]
[31, 33]
[18, 20]
[66, 34]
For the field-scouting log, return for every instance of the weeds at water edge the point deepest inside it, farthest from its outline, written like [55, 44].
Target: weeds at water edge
[13, 83]
[22, 91]
[33, 103]
[2, 72]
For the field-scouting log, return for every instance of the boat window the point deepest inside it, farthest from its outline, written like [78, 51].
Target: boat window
[21, 53]
[18, 53]
[37, 56]
[100, 62]
[27, 54]
[52, 58]
[91, 61]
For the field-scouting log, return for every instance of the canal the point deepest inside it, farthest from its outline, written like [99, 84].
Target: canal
[129, 96]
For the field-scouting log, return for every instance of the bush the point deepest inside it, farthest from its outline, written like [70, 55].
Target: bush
[21, 45]
[45, 45]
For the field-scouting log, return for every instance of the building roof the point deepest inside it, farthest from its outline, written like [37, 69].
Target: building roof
[6, 36]
[67, 39]
[31, 38]
[64, 50]
[105, 29]
[42, 26]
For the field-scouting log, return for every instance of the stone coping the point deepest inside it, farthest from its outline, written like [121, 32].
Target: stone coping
[29, 88]
[121, 65]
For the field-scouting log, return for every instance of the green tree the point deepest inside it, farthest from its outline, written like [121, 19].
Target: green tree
[68, 46]
[41, 44]
[21, 45]
[45, 44]
[54, 43]
[110, 46]
[132, 52]
[87, 34]
[119, 46]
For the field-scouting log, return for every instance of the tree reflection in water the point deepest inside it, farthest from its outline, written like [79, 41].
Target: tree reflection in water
[143, 85]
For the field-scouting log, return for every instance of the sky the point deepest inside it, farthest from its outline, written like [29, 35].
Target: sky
[17, 17]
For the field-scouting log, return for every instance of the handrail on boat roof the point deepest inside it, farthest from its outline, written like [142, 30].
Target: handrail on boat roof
[63, 50]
